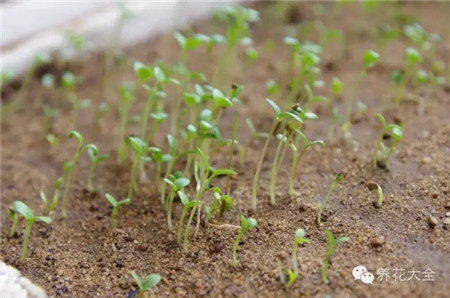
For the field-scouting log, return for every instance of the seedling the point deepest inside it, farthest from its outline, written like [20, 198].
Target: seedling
[221, 203]
[127, 97]
[151, 281]
[339, 177]
[336, 90]
[332, 243]
[272, 87]
[279, 116]
[246, 224]
[176, 184]
[140, 149]
[102, 110]
[413, 59]
[53, 141]
[50, 114]
[71, 166]
[375, 186]
[298, 158]
[370, 59]
[299, 238]
[230, 158]
[95, 160]
[30, 218]
[13, 215]
[383, 153]
[115, 204]
[186, 206]
[47, 208]
[253, 136]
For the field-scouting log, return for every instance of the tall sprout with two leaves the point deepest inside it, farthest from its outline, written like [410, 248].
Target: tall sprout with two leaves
[115, 208]
[292, 118]
[47, 206]
[370, 59]
[140, 150]
[70, 166]
[383, 153]
[30, 219]
[246, 224]
[187, 204]
[332, 243]
[176, 182]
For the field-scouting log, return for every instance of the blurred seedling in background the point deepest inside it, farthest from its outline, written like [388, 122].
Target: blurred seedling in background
[102, 110]
[70, 166]
[246, 224]
[254, 135]
[127, 97]
[413, 59]
[187, 204]
[292, 274]
[50, 114]
[30, 218]
[382, 153]
[95, 160]
[50, 206]
[150, 281]
[53, 140]
[115, 208]
[370, 59]
[332, 243]
[339, 177]
[375, 186]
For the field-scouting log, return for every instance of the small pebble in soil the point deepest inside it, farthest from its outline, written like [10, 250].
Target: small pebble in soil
[377, 242]
[216, 247]
[446, 223]
[426, 160]
[432, 221]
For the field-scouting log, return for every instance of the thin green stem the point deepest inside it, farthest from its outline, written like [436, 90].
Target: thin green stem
[235, 246]
[273, 173]
[90, 184]
[295, 163]
[26, 237]
[114, 212]
[180, 223]
[187, 230]
[324, 203]
[169, 210]
[258, 169]
[14, 226]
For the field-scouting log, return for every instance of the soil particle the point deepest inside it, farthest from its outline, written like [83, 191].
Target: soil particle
[377, 242]
[432, 221]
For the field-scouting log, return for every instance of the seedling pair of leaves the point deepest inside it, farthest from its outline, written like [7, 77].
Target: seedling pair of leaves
[69, 167]
[292, 274]
[47, 208]
[221, 203]
[115, 205]
[332, 243]
[382, 153]
[21, 208]
[140, 150]
[246, 224]
[187, 204]
[176, 183]
[150, 281]
[370, 59]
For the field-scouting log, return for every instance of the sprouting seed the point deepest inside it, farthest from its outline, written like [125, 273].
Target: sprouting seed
[339, 177]
[246, 224]
[375, 186]
[150, 281]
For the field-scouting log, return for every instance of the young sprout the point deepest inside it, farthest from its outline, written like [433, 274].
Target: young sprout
[279, 116]
[382, 154]
[102, 110]
[412, 60]
[186, 206]
[336, 90]
[56, 190]
[13, 215]
[375, 186]
[246, 224]
[49, 115]
[53, 141]
[253, 136]
[332, 243]
[339, 177]
[95, 160]
[370, 59]
[221, 203]
[70, 166]
[272, 87]
[127, 97]
[140, 149]
[176, 184]
[299, 238]
[151, 281]
[115, 204]
[30, 218]
[297, 158]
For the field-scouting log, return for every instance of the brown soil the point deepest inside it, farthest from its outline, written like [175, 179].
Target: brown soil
[82, 257]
